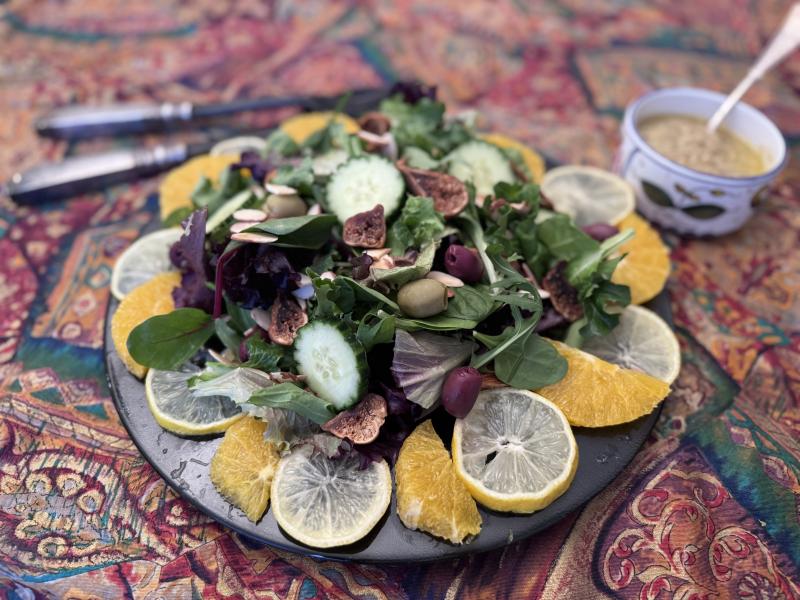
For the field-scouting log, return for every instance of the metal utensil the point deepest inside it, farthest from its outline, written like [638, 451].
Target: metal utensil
[784, 43]
[80, 122]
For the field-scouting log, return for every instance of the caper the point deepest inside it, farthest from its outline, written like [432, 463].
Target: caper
[279, 207]
[422, 298]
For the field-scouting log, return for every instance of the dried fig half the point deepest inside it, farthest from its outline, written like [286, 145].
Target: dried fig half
[366, 229]
[563, 296]
[362, 423]
[449, 194]
[286, 318]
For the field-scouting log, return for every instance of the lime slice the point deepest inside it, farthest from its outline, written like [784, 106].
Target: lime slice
[642, 341]
[144, 259]
[514, 451]
[177, 409]
[323, 502]
[589, 195]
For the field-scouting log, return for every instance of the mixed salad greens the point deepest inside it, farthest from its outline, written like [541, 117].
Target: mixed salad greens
[343, 287]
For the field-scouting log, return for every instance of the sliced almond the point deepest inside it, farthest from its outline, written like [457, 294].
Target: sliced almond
[280, 190]
[378, 253]
[240, 226]
[372, 138]
[250, 214]
[255, 238]
[329, 275]
[445, 279]
[314, 210]
[262, 317]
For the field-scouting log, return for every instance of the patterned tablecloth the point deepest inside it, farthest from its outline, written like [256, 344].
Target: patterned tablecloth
[710, 508]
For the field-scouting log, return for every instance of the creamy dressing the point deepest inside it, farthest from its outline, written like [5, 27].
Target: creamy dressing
[684, 139]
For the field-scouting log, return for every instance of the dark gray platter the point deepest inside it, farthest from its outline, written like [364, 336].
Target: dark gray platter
[184, 464]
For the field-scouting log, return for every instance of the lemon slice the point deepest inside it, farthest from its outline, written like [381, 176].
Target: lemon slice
[642, 341]
[589, 195]
[323, 502]
[144, 259]
[243, 467]
[178, 410]
[514, 451]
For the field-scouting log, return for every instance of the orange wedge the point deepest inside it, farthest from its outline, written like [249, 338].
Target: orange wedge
[244, 465]
[646, 268]
[148, 300]
[532, 159]
[430, 496]
[176, 189]
[596, 393]
[299, 127]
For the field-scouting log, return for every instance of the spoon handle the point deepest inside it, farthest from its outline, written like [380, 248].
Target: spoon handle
[784, 42]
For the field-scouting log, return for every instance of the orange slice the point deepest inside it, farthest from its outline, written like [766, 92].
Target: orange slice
[430, 496]
[244, 465]
[176, 189]
[300, 127]
[148, 300]
[596, 393]
[646, 268]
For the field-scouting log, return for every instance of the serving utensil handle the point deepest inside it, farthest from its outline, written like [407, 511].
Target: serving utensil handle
[75, 122]
[784, 43]
[81, 174]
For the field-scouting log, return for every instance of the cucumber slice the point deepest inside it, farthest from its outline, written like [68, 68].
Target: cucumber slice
[482, 164]
[361, 183]
[333, 361]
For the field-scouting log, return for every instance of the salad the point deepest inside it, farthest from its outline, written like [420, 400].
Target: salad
[342, 297]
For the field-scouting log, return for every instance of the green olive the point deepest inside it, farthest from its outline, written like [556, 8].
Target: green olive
[279, 207]
[422, 298]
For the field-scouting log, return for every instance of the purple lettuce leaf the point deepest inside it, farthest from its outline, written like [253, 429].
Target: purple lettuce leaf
[189, 257]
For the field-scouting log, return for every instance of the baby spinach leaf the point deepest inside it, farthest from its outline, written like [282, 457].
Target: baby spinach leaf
[308, 231]
[438, 323]
[167, 341]
[367, 294]
[291, 397]
[227, 335]
[564, 240]
[470, 303]
[530, 363]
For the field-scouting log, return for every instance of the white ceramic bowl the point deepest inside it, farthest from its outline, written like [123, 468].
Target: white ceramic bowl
[681, 198]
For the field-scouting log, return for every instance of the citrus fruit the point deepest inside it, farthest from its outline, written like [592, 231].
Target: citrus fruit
[146, 257]
[646, 267]
[244, 465]
[430, 496]
[641, 341]
[237, 145]
[589, 195]
[532, 159]
[300, 127]
[176, 189]
[514, 451]
[596, 393]
[148, 300]
[324, 502]
[178, 410]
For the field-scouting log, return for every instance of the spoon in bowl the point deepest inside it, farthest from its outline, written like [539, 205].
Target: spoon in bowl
[784, 42]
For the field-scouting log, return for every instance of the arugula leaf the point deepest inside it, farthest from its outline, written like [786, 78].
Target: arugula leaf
[279, 143]
[300, 177]
[262, 355]
[470, 303]
[497, 344]
[367, 294]
[598, 320]
[333, 298]
[167, 341]
[380, 331]
[308, 231]
[436, 323]
[398, 276]
[581, 267]
[417, 224]
[290, 397]
[227, 335]
[231, 182]
[530, 363]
